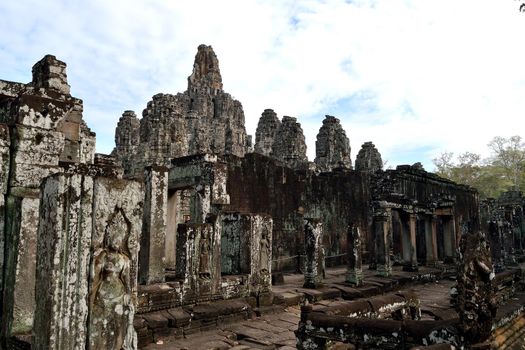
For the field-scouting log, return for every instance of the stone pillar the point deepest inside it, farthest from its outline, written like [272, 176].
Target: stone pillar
[412, 263]
[4, 173]
[475, 297]
[87, 263]
[449, 238]
[431, 240]
[314, 253]
[508, 239]
[62, 274]
[20, 269]
[50, 73]
[260, 233]
[382, 241]
[494, 238]
[354, 274]
[405, 239]
[187, 259]
[153, 239]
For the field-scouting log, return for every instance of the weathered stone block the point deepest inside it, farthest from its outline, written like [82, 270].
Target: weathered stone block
[21, 249]
[246, 248]
[153, 237]
[118, 209]
[26, 175]
[178, 317]
[50, 73]
[4, 174]
[198, 251]
[64, 240]
[36, 146]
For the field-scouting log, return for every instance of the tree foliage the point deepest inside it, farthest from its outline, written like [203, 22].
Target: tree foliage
[502, 171]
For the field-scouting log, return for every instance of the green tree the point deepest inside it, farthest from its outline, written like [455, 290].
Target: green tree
[502, 171]
[470, 169]
[509, 156]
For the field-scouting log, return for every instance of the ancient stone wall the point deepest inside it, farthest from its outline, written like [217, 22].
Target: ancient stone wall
[203, 119]
[409, 185]
[63, 262]
[258, 184]
[43, 126]
[88, 242]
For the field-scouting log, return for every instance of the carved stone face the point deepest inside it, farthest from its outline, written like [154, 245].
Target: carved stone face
[116, 232]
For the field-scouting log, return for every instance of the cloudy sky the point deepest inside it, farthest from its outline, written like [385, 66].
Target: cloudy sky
[415, 77]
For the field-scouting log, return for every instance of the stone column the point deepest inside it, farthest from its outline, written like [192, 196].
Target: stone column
[21, 253]
[508, 239]
[449, 238]
[153, 239]
[260, 232]
[62, 274]
[494, 238]
[431, 240]
[314, 253]
[187, 259]
[87, 263]
[382, 241]
[412, 263]
[354, 274]
[4, 173]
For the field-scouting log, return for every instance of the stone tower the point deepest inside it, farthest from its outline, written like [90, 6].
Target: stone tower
[332, 148]
[289, 145]
[266, 131]
[368, 158]
[203, 119]
[127, 137]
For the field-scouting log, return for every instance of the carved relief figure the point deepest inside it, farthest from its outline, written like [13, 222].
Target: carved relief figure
[111, 312]
[204, 269]
[475, 294]
[264, 251]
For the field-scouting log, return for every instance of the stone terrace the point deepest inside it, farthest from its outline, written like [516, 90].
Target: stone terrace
[272, 327]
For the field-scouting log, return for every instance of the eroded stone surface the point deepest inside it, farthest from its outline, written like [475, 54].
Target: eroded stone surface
[332, 148]
[267, 128]
[44, 125]
[203, 119]
[153, 238]
[50, 73]
[314, 269]
[117, 225]
[289, 145]
[475, 296]
[368, 159]
[64, 241]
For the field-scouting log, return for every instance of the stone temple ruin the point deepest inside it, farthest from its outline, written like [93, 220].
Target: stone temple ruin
[188, 226]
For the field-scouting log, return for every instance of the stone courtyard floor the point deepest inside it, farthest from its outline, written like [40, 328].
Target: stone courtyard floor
[274, 328]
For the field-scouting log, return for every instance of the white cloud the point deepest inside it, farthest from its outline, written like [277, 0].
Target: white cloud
[439, 75]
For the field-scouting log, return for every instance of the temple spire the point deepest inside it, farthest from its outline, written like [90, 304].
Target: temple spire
[206, 72]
